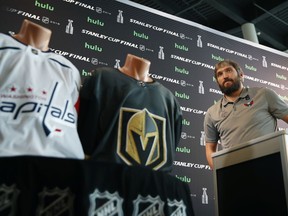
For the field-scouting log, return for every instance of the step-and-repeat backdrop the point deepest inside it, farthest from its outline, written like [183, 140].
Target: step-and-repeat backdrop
[100, 33]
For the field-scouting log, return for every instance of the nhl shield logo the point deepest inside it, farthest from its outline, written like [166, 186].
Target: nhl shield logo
[8, 200]
[142, 138]
[55, 202]
[94, 61]
[105, 204]
[148, 206]
[176, 208]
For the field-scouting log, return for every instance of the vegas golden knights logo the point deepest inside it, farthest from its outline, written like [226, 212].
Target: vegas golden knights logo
[141, 138]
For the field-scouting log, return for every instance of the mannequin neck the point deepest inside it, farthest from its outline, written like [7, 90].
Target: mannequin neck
[34, 35]
[137, 67]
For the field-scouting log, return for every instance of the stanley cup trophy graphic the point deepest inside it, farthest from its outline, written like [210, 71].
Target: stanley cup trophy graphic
[201, 87]
[117, 64]
[264, 62]
[161, 53]
[204, 196]
[69, 27]
[199, 41]
[120, 17]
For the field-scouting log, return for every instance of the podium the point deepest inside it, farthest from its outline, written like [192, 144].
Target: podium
[252, 178]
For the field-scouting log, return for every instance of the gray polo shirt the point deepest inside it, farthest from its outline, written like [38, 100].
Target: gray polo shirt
[254, 114]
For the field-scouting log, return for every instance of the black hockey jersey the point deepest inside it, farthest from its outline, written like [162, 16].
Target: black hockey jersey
[124, 120]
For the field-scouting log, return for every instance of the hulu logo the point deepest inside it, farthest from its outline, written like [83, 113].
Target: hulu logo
[282, 77]
[218, 58]
[93, 47]
[181, 47]
[86, 73]
[184, 178]
[251, 68]
[185, 122]
[182, 95]
[181, 70]
[95, 22]
[44, 6]
[140, 35]
[183, 150]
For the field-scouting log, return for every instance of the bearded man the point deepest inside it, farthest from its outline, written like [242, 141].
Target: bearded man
[242, 113]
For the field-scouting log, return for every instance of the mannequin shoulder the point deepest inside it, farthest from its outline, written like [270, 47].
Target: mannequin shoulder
[7, 40]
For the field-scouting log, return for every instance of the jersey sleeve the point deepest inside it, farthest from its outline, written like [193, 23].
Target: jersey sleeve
[178, 123]
[277, 107]
[211, 134]
[88, 116]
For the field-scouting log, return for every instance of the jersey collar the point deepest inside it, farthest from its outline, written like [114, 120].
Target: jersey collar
[244, 95]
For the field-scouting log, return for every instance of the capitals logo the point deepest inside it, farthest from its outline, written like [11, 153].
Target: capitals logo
[43, 106]
[141, 138]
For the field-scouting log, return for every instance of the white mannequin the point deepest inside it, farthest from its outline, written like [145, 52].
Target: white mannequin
[34, 35]
[137, 68]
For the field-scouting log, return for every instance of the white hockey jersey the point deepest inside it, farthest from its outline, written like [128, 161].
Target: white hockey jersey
[38, 93]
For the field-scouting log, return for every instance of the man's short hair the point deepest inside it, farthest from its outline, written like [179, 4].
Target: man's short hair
[225, 62]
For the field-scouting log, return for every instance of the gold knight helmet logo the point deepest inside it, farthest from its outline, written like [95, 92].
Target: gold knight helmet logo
[141, 138]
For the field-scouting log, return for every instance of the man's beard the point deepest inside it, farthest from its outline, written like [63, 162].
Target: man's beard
[231, 89]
